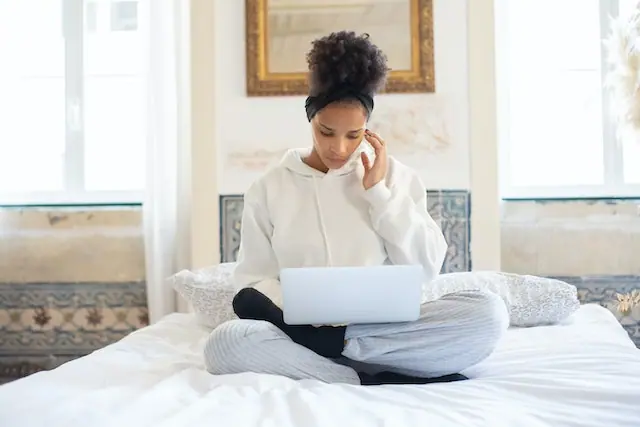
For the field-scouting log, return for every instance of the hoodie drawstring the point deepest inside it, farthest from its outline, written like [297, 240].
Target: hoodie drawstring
[323, 229]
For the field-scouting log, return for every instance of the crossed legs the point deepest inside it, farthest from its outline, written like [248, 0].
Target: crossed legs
[453, 333]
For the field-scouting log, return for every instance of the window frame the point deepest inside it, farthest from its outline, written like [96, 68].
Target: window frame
[74, 192]
[614, 185]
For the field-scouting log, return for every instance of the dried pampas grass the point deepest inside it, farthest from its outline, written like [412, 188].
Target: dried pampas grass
[627, 302]
[623, 77]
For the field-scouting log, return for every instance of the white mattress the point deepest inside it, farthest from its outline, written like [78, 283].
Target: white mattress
[583, 373]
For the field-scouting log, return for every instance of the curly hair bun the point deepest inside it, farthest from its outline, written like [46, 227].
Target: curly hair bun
[345, 59]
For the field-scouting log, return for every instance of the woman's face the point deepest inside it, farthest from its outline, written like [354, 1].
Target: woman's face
[338, 130]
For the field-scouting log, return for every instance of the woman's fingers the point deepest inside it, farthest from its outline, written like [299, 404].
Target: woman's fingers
[365, 161]
[374, 135]
[376, 142]
[376, 172]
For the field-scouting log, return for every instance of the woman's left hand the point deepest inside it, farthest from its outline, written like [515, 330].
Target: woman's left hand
[375, 173]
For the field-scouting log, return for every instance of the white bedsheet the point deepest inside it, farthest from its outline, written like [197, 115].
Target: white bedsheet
[583, 373]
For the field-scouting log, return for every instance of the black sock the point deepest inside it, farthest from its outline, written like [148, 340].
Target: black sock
[327, 341]
[393, 378]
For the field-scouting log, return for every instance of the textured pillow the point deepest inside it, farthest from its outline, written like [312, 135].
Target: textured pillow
[210, 292]
[531, 300]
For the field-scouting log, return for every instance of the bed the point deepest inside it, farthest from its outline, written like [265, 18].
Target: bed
[584, 372]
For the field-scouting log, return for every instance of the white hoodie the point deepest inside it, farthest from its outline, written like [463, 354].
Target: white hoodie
[296, 216]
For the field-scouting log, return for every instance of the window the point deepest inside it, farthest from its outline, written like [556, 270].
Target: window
[72, 127]
[557, 138]
[124, 15]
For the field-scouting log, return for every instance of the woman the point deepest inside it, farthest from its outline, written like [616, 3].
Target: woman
[336, 205]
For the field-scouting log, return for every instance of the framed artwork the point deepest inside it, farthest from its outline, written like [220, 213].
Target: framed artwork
[279, 34]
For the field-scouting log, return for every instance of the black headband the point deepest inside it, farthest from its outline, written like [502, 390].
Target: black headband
[314, 104]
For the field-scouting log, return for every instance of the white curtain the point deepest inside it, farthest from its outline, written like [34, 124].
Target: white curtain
[166, 205]
[623, 75]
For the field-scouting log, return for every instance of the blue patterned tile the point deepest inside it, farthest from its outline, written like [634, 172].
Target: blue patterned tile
[450, 209]
[455, 225]
[434, 204]
[455, 204]
[67, 319]
[62, 295]
[456, 233]
[43, 325]
[230, 220]
[16, 367]
[603, 290]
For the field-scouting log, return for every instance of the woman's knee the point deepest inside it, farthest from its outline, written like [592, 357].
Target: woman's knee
[486, 319]
[230, 343]
[485, 309]
[490, 312]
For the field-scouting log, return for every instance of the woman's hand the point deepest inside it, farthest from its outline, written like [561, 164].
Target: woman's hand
[375, 173]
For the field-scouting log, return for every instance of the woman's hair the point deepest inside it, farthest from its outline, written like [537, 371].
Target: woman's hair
[345, 60]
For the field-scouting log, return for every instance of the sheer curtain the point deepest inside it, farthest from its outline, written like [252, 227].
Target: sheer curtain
[623, 77]
[166, 205]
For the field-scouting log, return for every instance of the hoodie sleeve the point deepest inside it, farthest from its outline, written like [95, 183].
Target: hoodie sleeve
[257, 265]
[399, 215]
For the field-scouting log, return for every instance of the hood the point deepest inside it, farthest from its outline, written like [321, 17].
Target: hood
[292, 160]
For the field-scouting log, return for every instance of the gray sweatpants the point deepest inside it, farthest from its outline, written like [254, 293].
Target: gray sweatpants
[452, 334]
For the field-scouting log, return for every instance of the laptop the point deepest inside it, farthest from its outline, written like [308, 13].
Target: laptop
[350, 295]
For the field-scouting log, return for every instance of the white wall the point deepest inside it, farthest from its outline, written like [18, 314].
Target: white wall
[199, 124]
[571, 238]
[483, 137]
[252, 133]
[71, 245]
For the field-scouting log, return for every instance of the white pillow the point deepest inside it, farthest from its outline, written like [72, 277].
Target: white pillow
[210, 292]
[531, 300]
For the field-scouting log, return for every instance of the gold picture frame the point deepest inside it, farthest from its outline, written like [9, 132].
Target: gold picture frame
[260, 82]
